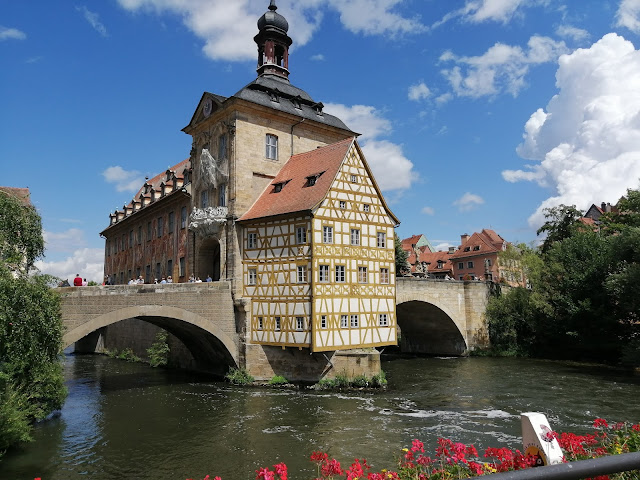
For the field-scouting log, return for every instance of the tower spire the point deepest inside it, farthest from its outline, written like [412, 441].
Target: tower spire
[273, 43]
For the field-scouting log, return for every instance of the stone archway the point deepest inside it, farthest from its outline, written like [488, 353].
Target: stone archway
[427, 329]
[208, 259]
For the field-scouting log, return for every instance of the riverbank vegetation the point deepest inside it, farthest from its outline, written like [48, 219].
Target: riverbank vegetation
[31, 380]
[583, 300]
[457, 460]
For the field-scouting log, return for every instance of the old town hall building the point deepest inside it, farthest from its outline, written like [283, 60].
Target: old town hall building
[278, 199]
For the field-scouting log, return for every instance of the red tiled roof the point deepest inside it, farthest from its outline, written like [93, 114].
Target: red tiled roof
[488, 241]
[21, 194]
[408, 242]
[296, 195]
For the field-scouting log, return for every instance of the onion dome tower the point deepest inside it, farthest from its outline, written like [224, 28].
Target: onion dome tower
[273, 43]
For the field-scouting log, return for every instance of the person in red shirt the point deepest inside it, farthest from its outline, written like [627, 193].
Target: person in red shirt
[77, 282]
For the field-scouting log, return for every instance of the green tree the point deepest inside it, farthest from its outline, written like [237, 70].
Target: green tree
[401, 257]
[31, 381]
[562, 222]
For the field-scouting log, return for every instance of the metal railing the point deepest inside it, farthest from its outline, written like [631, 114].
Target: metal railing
[577, 470]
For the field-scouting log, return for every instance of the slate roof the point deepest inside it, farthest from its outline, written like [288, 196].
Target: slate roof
[21, 194]
[296, 195]
[278, 93]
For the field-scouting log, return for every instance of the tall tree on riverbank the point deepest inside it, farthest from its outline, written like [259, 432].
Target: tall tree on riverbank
[31, 382]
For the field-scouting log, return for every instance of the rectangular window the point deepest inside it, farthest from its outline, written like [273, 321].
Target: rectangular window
[382, 240]
[123, 243]
[366, 208]
[344, 321]
[172, 221]
[160, 226]
[183, 217]
[340, 273]
[253, 275]
[323, 321]
[362, 275]
[181, 265]
[299, 324]
[327, 234]
[222, 195]
[130, 238]
[354, 179]
[147, 272]
[460, 265]
[252, 240]
[277, 324]
[469, 264]
[487, 262]
[383, 320]
[260, 323]
[149, 230]
[204, 199]
[384, 275]
[324, 273]
[158, 271]
[129, 275]
[354, 321]
[343, 204]
[302, 273]
[170, 267]
[272, 147]
[301, 235]
[121, 278]
[222, 147]
[355, 236]
[140, 235]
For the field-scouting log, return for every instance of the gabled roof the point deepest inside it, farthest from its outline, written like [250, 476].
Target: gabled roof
[20, 194]
[407, 243]
[296, 195]
[487, 242]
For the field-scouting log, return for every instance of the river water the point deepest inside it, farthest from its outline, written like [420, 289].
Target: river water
[129, 421]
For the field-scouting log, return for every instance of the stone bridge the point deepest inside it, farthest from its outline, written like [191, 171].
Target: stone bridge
[434, 317]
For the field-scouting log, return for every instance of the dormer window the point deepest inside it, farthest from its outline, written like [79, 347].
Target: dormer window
[467, 249]
[277, 187]
[311, 179]
[296, 103]
[477, 247]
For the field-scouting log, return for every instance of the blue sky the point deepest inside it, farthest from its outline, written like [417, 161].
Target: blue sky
[474, 113]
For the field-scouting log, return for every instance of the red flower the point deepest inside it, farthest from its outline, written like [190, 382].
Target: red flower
[331, 468]
[281, 470]
[636, 428]
[265, 474]
[319, 457]
[417, 446]
[600, 422]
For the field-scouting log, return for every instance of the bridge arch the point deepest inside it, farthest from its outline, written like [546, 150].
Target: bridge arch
[207, 342]
[429, 329]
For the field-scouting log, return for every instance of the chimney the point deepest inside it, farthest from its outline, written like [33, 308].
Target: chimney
[452, 250]
[464, 237]
[608, 208]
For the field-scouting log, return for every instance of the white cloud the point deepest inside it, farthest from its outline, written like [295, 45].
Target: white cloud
[428, 211]
[586, 143]
[442, 246]
[88, 262]
[392, 170]
[94, 20]
[11, 33]
[318, 58]
[478, 11]
[124, 180]
[468, 202]
[444, 98]
[419, 92]
[502, 68]
[576, 34]
[66, 241]
[628, 15]
[227, 28]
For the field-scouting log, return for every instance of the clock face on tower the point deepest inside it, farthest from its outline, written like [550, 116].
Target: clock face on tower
[208, 107]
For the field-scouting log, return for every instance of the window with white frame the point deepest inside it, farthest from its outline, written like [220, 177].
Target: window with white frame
[271, 147]
[383, 320]
[355, 322]
[252, 240]
[253, 276]
[344, 321]
[382, 240]
[469, 264]
[277, 324]
[302, 273]
[354, 178]
[301, 235]
[340, 277]
[384, 275]
[260, 323]
[327, 234]
[324, 273]
[460, 265]
[323, 321]
[362, 275]
[355, 236]
[299, 323]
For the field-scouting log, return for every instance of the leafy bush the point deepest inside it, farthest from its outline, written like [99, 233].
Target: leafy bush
[128, 355]
[159, 350]
[239, 376]
[278, 380]
[360, 381]
[379, 380]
